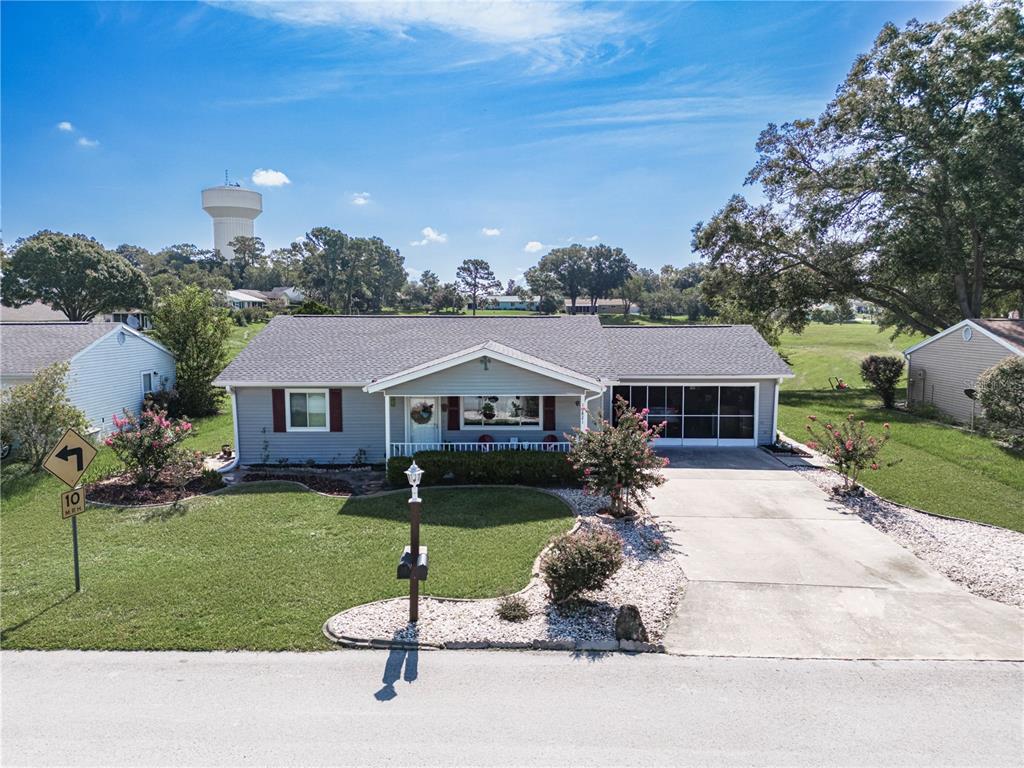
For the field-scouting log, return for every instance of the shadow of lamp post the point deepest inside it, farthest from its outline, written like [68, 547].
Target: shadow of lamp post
[413, 563]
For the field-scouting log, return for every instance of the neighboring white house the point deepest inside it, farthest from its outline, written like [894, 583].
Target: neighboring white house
[289, 294]
[243, 299]
[112, 366]
[37, 312]
[943, 369]
[513, 302]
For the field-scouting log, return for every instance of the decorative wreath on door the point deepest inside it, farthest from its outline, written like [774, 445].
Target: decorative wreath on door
[422, 413]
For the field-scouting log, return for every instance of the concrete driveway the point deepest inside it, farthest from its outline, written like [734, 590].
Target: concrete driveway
[777, 569]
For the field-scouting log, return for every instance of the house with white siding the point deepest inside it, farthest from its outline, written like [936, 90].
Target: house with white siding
[112, 366]
[943, 369]
[327, 389]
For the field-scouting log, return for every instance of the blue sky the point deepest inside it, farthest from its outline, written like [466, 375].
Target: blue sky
[493, 130]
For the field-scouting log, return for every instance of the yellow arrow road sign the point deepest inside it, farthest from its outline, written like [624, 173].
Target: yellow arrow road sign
[70, 457]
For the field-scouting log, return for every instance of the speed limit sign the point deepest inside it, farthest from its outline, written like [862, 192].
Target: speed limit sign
[72, 503]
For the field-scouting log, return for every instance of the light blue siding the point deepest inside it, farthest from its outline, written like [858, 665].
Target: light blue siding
[107, 377]
[473, 378]
[362, 422]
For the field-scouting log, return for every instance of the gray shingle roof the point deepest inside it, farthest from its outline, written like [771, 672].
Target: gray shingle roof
[1008, 330]
[28, 347]
[348, 350]
[692, 350]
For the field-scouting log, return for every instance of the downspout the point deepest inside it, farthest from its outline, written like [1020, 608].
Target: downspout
[234, 418]
[583, 406]
[775, 412]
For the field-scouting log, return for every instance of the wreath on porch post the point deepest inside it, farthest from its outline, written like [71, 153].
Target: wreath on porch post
[422, 413]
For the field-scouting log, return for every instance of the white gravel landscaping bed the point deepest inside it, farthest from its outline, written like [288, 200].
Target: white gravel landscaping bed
[987, 561]
[650, 578]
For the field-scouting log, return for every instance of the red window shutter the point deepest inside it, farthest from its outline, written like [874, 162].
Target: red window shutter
[549, 413]
[335, 407]
[454, 416]
[277, 398]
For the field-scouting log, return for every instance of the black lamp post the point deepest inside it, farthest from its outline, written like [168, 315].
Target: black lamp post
[413, 565]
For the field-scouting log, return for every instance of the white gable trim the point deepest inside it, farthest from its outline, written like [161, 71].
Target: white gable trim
[957, 327]
[120, 327]
[492, 350]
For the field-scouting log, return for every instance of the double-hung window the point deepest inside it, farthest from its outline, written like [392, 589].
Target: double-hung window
[307, 410]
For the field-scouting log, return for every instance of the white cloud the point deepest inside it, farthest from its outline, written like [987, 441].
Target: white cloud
[64, 125]
[84, 142]
[361, 198]
[593, 239]
[533, 246]
[267, 177]
[490, 231]
[430, 235]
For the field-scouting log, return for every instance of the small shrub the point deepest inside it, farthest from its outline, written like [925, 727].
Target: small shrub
[211, 479]
[164, 400]
[148, 443]
[849, 446]
[1001, 393]
[580, 561]
[619, 461]
[35, 414]
[882, 373]
[513, 608]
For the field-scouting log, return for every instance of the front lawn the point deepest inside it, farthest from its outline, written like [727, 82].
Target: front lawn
[941, 469]
[260, 567]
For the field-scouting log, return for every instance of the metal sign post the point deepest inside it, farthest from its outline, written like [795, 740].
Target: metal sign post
[68, 460]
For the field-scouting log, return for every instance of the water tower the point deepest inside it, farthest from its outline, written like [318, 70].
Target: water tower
[233, 210]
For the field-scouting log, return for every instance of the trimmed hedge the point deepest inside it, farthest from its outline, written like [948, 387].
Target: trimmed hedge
[541, 468]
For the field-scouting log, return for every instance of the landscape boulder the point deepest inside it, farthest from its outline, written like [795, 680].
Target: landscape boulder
[629, 625]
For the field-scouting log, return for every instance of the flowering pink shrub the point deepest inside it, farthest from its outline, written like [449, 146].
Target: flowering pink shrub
[147, 443]
[619, 461]
[849, 445]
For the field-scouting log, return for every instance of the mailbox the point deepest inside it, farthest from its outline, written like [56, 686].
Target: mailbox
[405, 564]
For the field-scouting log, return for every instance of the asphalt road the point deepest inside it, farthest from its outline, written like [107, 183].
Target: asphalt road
[502, 708]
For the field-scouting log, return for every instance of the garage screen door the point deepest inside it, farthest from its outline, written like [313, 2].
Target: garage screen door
[698, 414]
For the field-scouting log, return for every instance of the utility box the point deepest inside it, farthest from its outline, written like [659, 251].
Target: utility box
[405, 564]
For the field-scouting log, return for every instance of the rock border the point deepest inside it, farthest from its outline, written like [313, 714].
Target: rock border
[477, 627]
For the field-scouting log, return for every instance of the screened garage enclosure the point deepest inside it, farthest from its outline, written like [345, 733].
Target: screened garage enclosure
[698, 414]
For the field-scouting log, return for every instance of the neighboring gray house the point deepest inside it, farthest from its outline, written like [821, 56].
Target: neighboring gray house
[323, 388]
[112, 365]
[942, 368]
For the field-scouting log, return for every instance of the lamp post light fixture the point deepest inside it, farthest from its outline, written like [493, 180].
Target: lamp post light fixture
[413, 564]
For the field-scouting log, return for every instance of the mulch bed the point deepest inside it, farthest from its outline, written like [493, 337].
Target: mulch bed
[333, 486]
[123, 490]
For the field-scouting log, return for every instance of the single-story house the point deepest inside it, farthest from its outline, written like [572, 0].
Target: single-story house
[513, 302]
[600, 307]
[245, 298]
[112, 366]
[37, 312]
[289, 294]
[326, 388]
[943, 369]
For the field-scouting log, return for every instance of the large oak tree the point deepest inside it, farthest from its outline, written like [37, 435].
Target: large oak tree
[73, 274]
[908, 191]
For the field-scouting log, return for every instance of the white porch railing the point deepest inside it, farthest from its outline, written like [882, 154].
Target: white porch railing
[408, 449]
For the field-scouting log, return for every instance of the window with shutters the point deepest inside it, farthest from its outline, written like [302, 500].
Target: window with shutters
[497, 411]
[306, 410]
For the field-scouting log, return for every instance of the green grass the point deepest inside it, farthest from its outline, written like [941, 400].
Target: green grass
[240, 336]
[256, 568]
[621, 319]
[940, 469]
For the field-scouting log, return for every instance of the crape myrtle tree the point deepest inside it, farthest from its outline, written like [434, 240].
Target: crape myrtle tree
[476, 280]
[73, 274]
[906, 192]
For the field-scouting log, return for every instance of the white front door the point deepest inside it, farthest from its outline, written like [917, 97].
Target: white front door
[423, 417]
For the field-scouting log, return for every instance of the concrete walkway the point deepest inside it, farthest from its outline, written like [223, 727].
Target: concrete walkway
[778, 569]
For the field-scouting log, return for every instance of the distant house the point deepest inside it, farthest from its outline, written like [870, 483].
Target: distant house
[603, 307]
[244, 298]
[328, 388]
[287, 294]
[112, 366]
[512, 302]
[37, 312]
[943, 369]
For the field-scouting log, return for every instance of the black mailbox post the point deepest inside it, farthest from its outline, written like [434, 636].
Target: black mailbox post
[413, 563]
